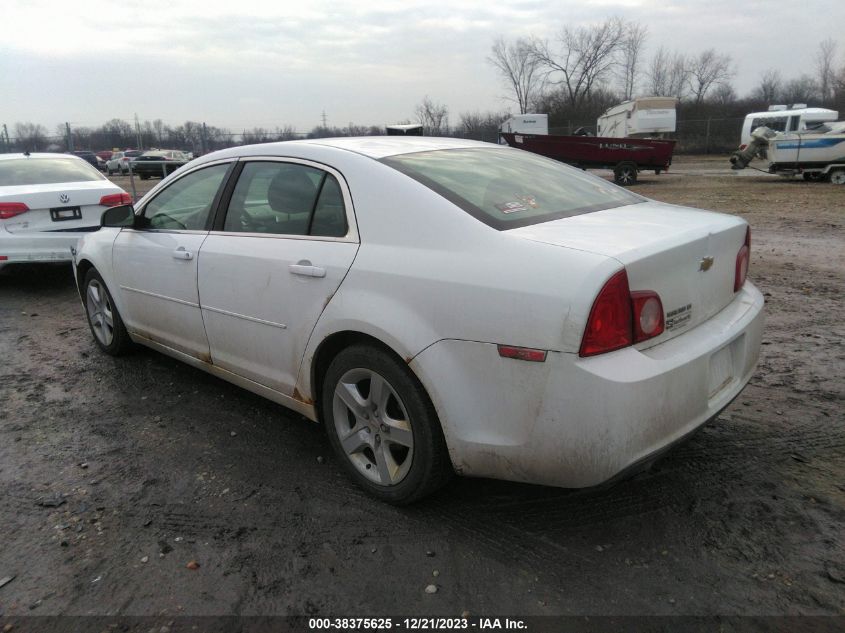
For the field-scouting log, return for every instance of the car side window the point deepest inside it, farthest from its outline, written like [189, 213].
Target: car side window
[186, 204]
[286, 199]
[329, 215]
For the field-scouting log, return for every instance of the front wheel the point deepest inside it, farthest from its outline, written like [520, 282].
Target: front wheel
[103, 317]
[382, 426]
[837, 177]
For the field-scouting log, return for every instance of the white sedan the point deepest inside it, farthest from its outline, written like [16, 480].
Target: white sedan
[47, 202]
[440, 305]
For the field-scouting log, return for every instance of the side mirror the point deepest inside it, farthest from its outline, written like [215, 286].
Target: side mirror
[122, 216]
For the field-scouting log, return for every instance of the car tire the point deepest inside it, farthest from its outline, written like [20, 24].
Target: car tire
[391, 444]
[112, 337]
[625, 174]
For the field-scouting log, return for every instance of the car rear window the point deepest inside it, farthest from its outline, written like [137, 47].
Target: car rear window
[508, 188]
[45, 171]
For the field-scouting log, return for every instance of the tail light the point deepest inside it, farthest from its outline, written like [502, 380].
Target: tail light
[11, 209]
[620, 318]
[115, 200]
[743, 259]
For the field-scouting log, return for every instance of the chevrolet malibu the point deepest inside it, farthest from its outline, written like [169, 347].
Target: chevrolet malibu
[441, 306]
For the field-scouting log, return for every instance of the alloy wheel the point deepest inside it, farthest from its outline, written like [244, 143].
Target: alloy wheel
[100, 312]
[373, 426]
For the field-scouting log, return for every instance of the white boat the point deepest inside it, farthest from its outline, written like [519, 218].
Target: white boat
[816, 154]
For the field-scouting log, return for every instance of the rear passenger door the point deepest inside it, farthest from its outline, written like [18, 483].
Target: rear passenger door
[278, 252]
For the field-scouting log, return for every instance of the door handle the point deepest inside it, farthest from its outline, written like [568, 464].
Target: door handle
[305, 269]
[181, 253]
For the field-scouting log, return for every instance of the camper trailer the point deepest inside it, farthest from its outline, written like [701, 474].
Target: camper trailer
[782, 118]
[639, 118]
[526, 124]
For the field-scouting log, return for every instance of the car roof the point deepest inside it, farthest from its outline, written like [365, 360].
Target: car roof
[375, 146]
[40, 155]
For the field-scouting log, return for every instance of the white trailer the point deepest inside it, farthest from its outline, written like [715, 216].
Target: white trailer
[526, 124]
[645, 116]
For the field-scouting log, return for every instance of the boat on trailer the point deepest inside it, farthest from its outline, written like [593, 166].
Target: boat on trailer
[625, 156]
[818, 154]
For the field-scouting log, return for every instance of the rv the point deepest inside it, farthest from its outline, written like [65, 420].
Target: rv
[643, 117]
[526, 124]
[781, 118]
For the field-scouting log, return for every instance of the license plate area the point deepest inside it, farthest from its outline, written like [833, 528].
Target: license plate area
[62, 214]
[721, 370]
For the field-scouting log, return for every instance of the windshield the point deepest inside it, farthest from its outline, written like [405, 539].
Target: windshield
[507, 188]
[45, 171]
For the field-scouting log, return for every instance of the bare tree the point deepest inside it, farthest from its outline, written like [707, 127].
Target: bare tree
[433, 116]
[667, 75]
[707, 70]
[768, 90]
[31, 136]
[482, 126]
[520, 69]
[585, 59]
[824, 67]
[800, 90]
[158, 126]
[723, 94]
[631, 56]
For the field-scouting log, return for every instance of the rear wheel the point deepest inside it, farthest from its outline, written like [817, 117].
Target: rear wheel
[103, 317]
[837, 177]
[382, 426]
[813, 176]
[625, 174]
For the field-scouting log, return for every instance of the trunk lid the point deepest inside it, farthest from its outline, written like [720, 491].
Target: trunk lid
[686, 256]
[42, 198]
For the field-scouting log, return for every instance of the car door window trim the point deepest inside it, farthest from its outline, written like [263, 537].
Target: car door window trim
[212, 214]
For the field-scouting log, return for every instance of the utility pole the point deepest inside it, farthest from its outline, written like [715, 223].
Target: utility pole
[138, 131]
[7, 146]
[69, 137]
[324, 119]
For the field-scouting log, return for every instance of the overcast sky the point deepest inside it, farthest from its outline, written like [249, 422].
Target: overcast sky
[268, 64]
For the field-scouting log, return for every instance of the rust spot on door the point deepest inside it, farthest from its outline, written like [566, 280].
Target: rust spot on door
[298, 396]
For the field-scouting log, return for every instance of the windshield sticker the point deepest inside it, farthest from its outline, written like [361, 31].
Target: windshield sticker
[511, 207]
[529, 200]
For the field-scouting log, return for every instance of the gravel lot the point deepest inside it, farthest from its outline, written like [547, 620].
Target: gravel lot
[118, 473]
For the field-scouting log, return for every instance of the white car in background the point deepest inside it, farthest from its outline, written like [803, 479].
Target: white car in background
[440, 305]
[47, 202]
[119, 161]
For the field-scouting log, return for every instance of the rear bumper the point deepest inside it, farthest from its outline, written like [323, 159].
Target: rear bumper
[30, 248]
[578, 422]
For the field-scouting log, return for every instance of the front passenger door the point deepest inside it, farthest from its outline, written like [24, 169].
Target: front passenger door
[157, 265]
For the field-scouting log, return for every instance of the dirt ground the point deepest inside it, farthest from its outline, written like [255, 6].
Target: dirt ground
[117, 473]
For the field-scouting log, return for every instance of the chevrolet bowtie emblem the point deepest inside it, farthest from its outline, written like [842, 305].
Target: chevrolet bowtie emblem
[706, 263]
